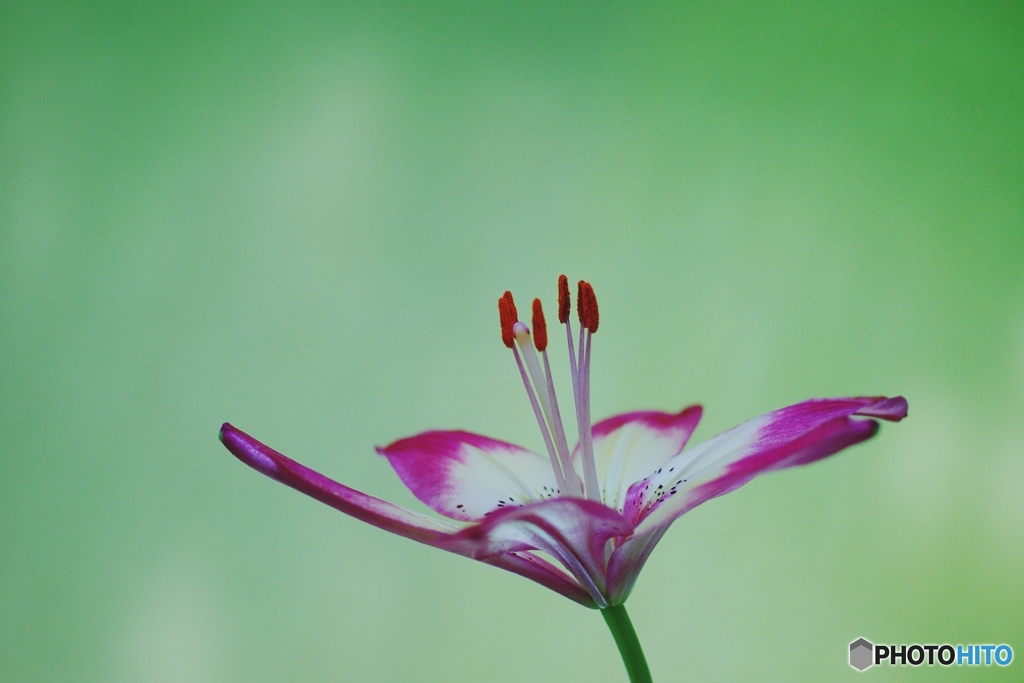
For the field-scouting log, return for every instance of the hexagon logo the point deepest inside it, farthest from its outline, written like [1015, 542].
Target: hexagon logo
[861, 654]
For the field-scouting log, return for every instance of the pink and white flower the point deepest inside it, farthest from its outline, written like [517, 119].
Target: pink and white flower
[598, 508]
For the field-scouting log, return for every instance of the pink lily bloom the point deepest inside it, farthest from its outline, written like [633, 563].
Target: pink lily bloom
[598, 508]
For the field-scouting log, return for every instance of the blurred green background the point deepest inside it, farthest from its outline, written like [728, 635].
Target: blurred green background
[298, 218]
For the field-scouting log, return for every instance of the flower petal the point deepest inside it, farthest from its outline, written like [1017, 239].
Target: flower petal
[795, 435]
[366, 508]
[440, 534]
[626, 562]
[466, 476]
[630, 446]
[572, 530]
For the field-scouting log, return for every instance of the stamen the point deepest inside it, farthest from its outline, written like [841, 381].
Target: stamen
[563, 299]
[563, 317]
[575, 486]
[579, 361]
[586, 303]
[540, 328]
[576, 390]
[508, 316]
[540, 387]
[563, 306]
[540, 341]
[555, 466]
[545, 394]
[574, 366]
[579, 303]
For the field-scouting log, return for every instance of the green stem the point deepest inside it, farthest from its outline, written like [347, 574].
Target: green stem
[629, 647]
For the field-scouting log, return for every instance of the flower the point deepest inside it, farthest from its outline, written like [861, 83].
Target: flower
[598, 509]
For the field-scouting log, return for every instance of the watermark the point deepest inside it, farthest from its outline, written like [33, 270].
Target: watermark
[864, 654]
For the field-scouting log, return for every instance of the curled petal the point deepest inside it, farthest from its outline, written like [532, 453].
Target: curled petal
[630, 446]
[893, 409]
[466, 476]
[795, 435]
[500, 551]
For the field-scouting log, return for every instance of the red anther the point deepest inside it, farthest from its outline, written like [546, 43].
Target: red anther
[593, 316]
[540, 328]
[509, 316]
[586, 306]
[511, 307]
[579, 303]
[563, 299]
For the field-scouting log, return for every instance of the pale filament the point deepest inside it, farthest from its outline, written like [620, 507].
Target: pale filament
[540, 389]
